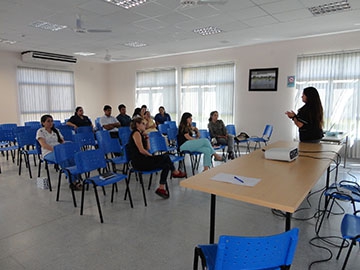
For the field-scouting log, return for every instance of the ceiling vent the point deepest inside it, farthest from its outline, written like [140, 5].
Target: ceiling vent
[44, 58]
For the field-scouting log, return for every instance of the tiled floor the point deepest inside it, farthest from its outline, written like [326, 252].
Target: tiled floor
[36, 232]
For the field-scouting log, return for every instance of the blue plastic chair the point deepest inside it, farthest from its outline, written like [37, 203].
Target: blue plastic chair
[350, 230]
[33, 124]
[86, 140]
[158, 146]
[26, 142]
[124, 135]
[65, 158]
[8, 142]
[163, 128]
[84, 129]
[242, 252]
[114, 152]
[231, 129]
[264, 138]
[97, 124]
[57, 123]
[344, 191]
[172, 124]
[67, 132]
[47, 161]
[91, 160]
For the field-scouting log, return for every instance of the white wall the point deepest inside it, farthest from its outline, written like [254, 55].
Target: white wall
[99, 84]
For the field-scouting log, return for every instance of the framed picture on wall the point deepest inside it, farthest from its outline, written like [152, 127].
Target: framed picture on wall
[263, 79]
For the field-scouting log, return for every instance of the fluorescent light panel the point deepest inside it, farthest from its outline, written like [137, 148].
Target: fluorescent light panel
[206, 31]
[84, 53]
[135, 44]
[7, 41]
[47, 26]
[126, 3]
[330, 8]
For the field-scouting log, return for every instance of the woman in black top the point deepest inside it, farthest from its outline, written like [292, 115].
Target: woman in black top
[142, 160]
[309, 118]
[79, 119]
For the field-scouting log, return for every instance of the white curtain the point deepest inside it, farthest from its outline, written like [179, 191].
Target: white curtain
[43, 91]
[157, 88]
[337, 78]
[208, 88]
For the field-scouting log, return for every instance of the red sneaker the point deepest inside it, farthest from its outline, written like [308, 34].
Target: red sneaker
[162, 193]
[180, 174]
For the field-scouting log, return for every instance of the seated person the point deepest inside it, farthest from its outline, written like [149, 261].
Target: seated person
[137, 112]
[123, 118]
[79, 119]
[142, 160]
[218, 131]
[150, 124]
[162, 116]
[188, 142]
[110, 123]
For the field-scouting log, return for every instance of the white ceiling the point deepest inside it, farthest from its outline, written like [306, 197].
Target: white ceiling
[165, 25]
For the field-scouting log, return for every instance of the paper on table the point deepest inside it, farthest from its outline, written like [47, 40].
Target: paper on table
[232, 178]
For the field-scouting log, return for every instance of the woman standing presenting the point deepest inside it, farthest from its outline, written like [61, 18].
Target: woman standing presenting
[309, 118]
[187, 142]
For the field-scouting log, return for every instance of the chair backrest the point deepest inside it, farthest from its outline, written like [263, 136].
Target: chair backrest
[157, 143]
[90, 160]
[239, 252]
[7, 135]
[25, 136]
[267, 132]
[65, 153]
[124, 135]
[84, 129]
[57, 123]
[172, 124]
[35, 124]
[163, 128]
[7, 126]
[204, 133]
[67, 132]
[85, 140]
[97, 124]
[106, 143]
[231, 129]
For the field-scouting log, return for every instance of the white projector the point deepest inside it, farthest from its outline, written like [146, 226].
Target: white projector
[283, 154]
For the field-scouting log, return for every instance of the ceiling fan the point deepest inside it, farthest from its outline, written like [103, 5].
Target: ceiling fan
[187, 3]
[81, 29]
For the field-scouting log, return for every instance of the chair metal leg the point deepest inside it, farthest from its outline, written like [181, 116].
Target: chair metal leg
[48, 175]
[82, 200]
[58, 188]
[142, 187]
[341, 247]
[128, 191]
[98, 204]
[150, 181]
[353, 243]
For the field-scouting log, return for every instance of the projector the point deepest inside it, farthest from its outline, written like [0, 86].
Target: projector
[283, 154]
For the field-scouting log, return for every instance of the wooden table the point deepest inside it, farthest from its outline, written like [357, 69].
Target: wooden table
[283, 186]
[338, 138]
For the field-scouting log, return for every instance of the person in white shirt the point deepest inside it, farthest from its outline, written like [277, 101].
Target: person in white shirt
[110, 123]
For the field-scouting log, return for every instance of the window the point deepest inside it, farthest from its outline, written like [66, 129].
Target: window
[208, 88]
[45, 92]
[337, 78]
[157, 88]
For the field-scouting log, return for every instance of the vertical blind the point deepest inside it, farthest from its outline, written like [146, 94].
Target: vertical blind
[157, 88]
[336, 76]
[43, 91]
[208, 88]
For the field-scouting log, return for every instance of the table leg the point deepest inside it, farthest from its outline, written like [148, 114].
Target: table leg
[288, 221]
[212, 218]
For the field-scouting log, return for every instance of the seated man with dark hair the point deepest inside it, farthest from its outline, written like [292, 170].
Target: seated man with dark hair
[110, 123]
[123, 118]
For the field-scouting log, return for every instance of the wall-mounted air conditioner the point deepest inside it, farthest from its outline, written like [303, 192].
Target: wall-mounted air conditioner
[45, 58]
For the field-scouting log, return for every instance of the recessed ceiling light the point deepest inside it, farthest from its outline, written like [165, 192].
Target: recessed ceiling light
[126, 3]
[209, 30]
[84, 53]
[135, 44]
[330, 8]
[7, 41]
[47, 26]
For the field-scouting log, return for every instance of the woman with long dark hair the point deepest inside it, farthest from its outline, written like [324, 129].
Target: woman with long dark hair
[309, 118]
[79, 119]
[188, 140]
[143, 160]
[48, 136]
